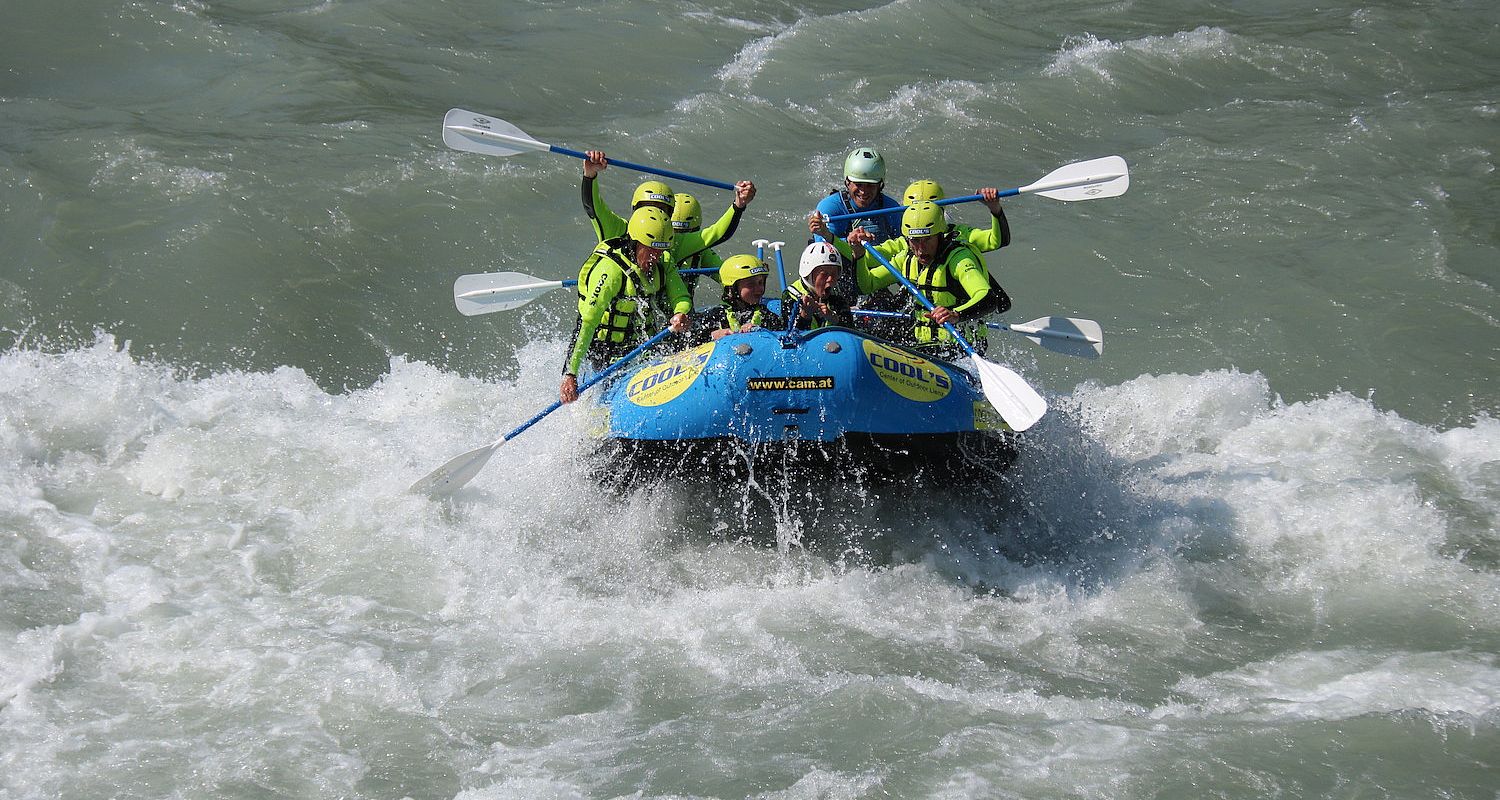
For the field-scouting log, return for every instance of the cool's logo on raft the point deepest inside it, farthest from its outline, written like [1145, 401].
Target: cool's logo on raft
[662, 382]
[910, 376]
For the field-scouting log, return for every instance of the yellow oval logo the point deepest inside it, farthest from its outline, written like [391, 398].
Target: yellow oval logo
[910, 376]
[663, 381]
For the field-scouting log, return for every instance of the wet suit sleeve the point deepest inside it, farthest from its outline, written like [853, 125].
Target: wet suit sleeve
[607, 224]
[604, 285]
[992, 238]
[872, 274]
[710, 260]
[721, 230]
[970, 273]
[679, 299]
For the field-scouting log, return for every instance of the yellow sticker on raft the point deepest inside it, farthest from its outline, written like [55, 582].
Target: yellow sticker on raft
[910, 376]
[663, 381]
[986, 418]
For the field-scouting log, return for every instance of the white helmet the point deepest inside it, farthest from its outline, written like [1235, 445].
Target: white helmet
[818, 254]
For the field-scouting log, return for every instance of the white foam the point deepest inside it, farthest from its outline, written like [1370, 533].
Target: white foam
[1343, 684]
[239, 548]
[1087, 54]
[135, 164]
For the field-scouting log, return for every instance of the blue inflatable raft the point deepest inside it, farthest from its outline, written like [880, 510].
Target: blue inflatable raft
[833, 392]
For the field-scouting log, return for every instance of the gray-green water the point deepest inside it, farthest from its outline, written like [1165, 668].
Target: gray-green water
[1252, 552]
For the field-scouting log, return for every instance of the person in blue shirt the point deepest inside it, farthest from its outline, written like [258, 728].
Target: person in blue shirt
[864, 190]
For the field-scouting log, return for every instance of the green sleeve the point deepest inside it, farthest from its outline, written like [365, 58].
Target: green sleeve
[981, 240]
[607, 224]
[597, 297]
[871, 274]
[970, 273]
[844, 249]
[678, 296]
[721, 230]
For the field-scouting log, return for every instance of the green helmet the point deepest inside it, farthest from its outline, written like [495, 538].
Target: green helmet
[650, 227]
[922, 190]
[687, 215]
[923, 219]
[652, 192]
[737, 268]
[864, 165]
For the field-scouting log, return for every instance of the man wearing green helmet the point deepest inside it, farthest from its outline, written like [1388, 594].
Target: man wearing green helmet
[744, 281]
[947, 271]
[625, 282]
[687, 217]
[864, 190]
[983, 239]
[655, 194]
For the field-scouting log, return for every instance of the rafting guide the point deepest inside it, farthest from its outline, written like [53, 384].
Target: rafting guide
[904, 400]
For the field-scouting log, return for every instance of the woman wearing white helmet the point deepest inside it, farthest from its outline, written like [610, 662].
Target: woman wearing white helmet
[818, 302]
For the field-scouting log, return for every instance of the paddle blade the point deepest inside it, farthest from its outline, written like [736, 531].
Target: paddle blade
[1073, 337]
[477, 133]
[1019, 404]
[488, 292]
[452, 476]
[1085, 180]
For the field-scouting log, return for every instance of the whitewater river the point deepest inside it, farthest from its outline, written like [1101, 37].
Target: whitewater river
[1251, 552]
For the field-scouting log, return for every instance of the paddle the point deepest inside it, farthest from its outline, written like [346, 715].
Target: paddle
[1019, 404]
[477, 133]
[1083, 180]
[451, 477]
[1074, 337]
[780, 267]
[791, 317]
[487, 292]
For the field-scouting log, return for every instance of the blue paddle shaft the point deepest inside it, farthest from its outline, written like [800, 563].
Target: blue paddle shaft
[604, 373]
[665, 173]
[878, 212]
[994, 326]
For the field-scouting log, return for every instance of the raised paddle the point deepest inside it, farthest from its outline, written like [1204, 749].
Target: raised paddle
[451, 477]
[1019, 404]
[1082, 180]
[1074, 337]
[487, 292]
[477, 133]
[780, 267]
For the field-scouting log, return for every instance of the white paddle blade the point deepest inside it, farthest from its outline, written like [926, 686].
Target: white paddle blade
[487, 292]
[477, 133]
[1019, 404]
[1085, 180]
[1074, 337]
[452, 476]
